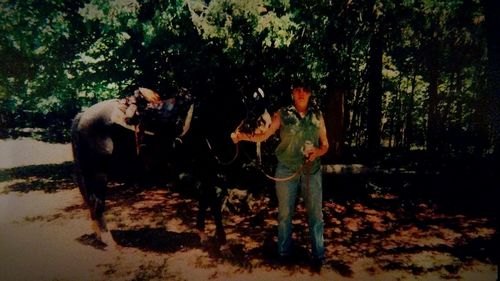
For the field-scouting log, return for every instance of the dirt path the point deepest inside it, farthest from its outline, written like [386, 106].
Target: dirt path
[24, 152]
[43, 226]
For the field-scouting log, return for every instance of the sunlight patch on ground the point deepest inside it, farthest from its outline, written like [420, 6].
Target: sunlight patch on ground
[24, 152]
[176, 225]
[430, 259]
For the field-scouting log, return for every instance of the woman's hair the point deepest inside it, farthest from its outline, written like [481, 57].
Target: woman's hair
[313, 101]
[302, 87]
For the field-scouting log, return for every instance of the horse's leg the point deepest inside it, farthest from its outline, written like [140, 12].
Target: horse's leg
[94, 195]
[202, 213]
[216, 207]
[100, 186]
[100, 207]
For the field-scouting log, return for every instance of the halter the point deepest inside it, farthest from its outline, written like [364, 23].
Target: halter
[237, 150]
[237, 147]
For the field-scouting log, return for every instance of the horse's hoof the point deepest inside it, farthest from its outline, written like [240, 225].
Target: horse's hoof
[107, 239]
[101, 223]
[96, 229]
[221, 237]
[225, 251]
[203, 237]
[92, 240]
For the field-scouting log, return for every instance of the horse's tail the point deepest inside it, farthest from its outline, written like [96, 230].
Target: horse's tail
[77, 148]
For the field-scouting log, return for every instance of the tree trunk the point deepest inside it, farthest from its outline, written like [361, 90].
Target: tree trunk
[337, 86]
[334, 122]
[433, 121]
[408, 138]
[147, 77]
[354, 115]
[398, 114]
[490, 101]
[375, 91]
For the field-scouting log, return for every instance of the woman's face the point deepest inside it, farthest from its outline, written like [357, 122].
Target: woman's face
[301, 98]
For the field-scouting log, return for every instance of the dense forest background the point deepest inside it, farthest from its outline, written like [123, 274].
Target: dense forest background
[391, 76]
[410, 90]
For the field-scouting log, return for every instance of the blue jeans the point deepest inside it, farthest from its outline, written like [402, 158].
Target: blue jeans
[313, 198]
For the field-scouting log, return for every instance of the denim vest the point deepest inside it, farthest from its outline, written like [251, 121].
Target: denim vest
[297, 134]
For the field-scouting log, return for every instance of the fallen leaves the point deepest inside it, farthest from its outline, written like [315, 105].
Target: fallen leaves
[395, 237]
[353, 224]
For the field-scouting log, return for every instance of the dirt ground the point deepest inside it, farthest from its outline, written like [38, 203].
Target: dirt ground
[45, 233]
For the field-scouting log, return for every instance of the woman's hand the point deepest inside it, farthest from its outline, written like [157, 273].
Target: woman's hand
[235, 136]
[313, 154]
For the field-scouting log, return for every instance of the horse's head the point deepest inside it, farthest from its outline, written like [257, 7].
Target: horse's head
[257, 118]
[184, 102]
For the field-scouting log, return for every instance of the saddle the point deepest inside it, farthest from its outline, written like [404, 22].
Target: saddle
[138, 104]
[134, 109]
[144, 111]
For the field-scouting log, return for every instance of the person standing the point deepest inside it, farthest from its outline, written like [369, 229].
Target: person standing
[303, 140]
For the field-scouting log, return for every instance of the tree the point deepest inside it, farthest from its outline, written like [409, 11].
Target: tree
[490, 100]
[375, 84]
[37, 39]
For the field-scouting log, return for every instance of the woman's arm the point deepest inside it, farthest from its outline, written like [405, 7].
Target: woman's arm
[323, 142]
[275, 124]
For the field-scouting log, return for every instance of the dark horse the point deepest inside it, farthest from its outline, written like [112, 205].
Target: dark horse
[211, 155]
[117, 139]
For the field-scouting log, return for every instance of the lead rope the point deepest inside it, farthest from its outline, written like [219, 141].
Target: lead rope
[137, 145]
[281, 179]
[218, 159]
[235, 154]
[276, 179]
[308, 175]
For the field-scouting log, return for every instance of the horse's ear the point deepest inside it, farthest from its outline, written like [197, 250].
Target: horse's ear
[150, 95]
[261, 92]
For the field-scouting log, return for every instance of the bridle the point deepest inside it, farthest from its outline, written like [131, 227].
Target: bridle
[306, 165]
[237, 147]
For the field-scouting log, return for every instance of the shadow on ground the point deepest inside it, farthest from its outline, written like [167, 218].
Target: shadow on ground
[48, 178]
[156, 239]
[397, 230]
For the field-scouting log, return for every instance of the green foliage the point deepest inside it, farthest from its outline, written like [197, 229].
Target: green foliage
[248, 32]
[59, 57]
